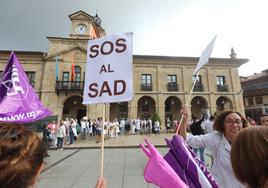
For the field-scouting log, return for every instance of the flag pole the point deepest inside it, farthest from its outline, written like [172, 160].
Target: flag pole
[73, 71]
[205, 55]
[188, 101]
[57, 68]
[102, 140]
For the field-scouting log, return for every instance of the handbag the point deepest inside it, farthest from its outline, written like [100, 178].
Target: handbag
[50, 137]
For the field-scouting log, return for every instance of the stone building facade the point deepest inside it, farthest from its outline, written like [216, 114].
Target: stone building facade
[161, 83]
[255, 93]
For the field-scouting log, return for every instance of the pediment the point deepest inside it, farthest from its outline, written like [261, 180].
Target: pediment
[80, 15]
[67, 50]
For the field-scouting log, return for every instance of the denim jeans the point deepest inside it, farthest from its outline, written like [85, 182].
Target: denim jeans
[83, 133]
[71, 136]
[201, 153]
[59, 142]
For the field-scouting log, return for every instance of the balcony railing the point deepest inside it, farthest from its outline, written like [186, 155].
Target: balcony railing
[69, 86]
[173, 87]
[146, 88]
[222, 88]
[199, 87]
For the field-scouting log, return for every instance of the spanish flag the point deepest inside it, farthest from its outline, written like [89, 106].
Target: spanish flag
[73, 69]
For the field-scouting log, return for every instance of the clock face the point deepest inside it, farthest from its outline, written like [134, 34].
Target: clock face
[81, 29]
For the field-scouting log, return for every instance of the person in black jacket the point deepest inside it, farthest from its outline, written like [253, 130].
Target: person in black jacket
[46, 139]
[196, 129]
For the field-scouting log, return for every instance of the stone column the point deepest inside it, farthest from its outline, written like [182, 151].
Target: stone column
[160, 108]
[107, 113]
[59, 112]
[128, 110]
[212, 101]
[133, 109]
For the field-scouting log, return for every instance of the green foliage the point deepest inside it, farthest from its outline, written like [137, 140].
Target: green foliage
[156, 117]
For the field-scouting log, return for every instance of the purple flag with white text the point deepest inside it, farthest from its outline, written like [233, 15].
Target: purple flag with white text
[18, 100]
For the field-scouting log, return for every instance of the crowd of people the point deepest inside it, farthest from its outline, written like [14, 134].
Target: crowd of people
[68, 130]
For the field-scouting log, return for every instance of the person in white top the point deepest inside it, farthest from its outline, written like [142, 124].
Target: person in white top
[207, 126]
[157, 127]
[133, 126]
[83, 127]
[61, 134]
[72, 131]
[227, 124]
[149, 126]
[138, 125]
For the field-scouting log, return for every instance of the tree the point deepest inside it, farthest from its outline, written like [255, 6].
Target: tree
[156, 117]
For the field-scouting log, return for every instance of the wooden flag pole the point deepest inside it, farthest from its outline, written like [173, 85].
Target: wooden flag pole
[102, 140]
[188, 101]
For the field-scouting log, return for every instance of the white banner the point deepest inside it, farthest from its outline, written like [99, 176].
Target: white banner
[109, 69]
[205, 56]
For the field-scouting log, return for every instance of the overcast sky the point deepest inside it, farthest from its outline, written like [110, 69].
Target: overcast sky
[170, 27]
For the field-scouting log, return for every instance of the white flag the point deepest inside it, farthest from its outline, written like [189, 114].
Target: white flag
[205, 56]
[109, 69]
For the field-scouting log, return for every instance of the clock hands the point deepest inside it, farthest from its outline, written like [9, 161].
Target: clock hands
[81, 27]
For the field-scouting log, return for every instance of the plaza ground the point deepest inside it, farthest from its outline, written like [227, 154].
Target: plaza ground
[78, 165]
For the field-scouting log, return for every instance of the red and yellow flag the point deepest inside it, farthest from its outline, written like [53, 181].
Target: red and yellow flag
[73, 69]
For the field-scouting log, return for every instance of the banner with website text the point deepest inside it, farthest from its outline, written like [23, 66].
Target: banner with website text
[109, 69]
[18, 100]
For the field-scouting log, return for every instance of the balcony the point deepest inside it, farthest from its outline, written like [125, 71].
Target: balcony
[222, 88]
[69, 86]
[146, 88]
[198, 87]
[173, 87]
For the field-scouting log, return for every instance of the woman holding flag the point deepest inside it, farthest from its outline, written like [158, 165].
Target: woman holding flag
[228, 124]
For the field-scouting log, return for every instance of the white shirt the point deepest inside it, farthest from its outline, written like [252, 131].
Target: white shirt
[61, 131]
[83, 124]
[221, 152]
[122, 123]
[207, 126]
[157, 124]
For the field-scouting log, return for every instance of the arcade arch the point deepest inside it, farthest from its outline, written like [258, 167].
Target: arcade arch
[146, 107]
[199, 105]
[172, 108]
[73, 107]
[223, 103]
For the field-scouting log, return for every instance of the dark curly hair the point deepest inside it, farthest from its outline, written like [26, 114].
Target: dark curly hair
[219, 121]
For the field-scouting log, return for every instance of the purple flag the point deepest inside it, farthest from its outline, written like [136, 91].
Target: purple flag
[186, 164]
[18, 100]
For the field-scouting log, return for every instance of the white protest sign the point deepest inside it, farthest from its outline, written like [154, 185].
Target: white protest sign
[109, 69]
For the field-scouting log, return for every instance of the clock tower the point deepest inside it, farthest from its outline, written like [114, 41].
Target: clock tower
[85, 26]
